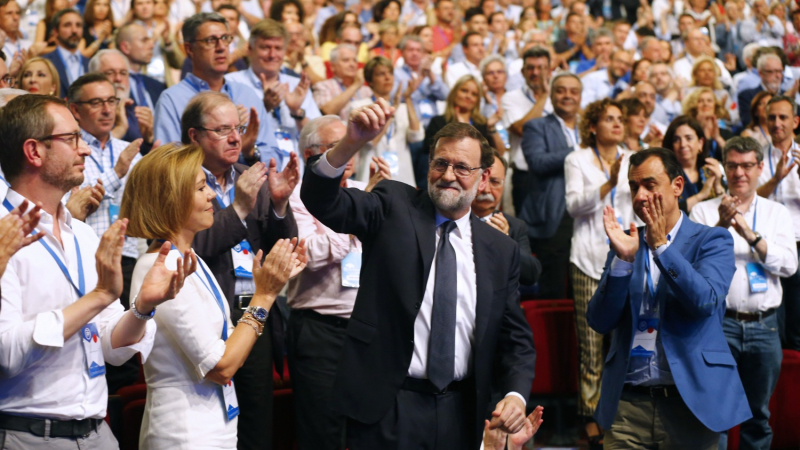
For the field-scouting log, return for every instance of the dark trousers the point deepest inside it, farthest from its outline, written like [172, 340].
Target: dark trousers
[789, 312]
[127, 373]
[314, 343]
[519, 188]
[253, 382]
[553, 252]
[419, 421]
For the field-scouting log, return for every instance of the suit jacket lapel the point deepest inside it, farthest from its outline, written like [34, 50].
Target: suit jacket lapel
[637, 278]
[688, 230]
[481, 253]
[558, 132]
[423, 216]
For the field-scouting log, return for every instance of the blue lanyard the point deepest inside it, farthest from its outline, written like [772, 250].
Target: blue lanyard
[649, 277]
[527, 93]
[110, 152]
[277, 114]
[608, 176]
[444, 36]
[231, 195]
[81, 287]
[213, 289]
[358, 91]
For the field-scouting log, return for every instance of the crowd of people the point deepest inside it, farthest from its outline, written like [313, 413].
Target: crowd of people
[366, 188]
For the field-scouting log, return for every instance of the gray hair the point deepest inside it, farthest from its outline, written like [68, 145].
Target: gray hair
[526, 38]
[749, 51]
[646, 41]
[406, 38]
[335, 52]
[762, 60]
[97, 59]
[742, 145]
[564, 74]
[602, 32]
[194, 23]
[7, 94]
[309, 136]
[490, 59]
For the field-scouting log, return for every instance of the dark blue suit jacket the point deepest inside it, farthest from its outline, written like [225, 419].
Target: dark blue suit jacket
[744, 99]
[154, 88]
[696, 271]
[62, 71]
[545, 148]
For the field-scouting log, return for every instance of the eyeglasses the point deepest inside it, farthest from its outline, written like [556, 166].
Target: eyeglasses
[461, 170]
[73, 138]
[99, 102]
[324, 147]
[771, 72]
[496, 183]
[494, 73]
[732, 166]
[222, 132]
[213, 41]
[9, 80]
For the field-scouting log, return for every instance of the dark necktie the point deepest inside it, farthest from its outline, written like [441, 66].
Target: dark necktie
[139, 96]
[442, 344]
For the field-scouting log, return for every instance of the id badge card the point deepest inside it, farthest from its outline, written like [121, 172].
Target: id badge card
[93, 350]
[113, 212]
[242, 260]
[644, 341]
[351, 269]
[756, 277]
[393, 160]
[230, 401]
[284, 138]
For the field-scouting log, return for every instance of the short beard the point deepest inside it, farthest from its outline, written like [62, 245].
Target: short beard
[451, 203]
[59, 177]
[773, 87]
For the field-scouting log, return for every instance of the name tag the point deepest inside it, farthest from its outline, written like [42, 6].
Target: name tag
[95, 363]
[285, 143]
[113, 213]
[351, 269]
[242, 260]
[756, 277]
[644, 341]
[393, 160]
[230, 401]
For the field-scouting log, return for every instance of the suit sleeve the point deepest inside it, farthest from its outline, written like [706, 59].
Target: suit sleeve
[607, 306]
[534, 147]
[529, 266]
[227, 231]
[701, 287]
[582, 199]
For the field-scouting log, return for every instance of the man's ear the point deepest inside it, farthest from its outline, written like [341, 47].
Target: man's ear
[677, 186]
[34, 153]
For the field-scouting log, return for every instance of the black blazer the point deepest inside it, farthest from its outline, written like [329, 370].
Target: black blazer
[397, 226]
[62, 71]
[529, 267]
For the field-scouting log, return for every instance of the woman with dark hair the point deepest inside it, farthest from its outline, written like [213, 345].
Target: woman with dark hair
[639, 71]
[635, 122]
[702, 175]
[98, 26]
[386, 10]
[758, 119]
[286, 11]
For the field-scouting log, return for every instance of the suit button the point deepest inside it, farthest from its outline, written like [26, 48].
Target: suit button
[673, 274]
[417, 305]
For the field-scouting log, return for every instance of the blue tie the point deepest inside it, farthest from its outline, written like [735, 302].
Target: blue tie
[140, 98]
[442, 344]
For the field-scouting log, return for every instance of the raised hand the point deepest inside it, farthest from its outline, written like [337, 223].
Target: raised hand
[655, 220]
[624, 246]
[613, 171]
[273, 93]
[161, 284]
[499, 222]
[378, 170]
[145, 117]
[532, 424]
[247, 187]
[294, 100]
[727, 210]
[784, 167]
[251, 134]
[84, 202]
[509, 415]
[30, 221]
[270, 277]
[108, 260]
[712, 167]
[282, 184]
[126, 158]
[364, 125]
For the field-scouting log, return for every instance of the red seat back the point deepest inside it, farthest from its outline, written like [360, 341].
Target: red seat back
[556, 347]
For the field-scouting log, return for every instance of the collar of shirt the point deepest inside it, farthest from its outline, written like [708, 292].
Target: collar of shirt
[66, 55]
[461, 223]
[211, 180]
[254, 79]
[16, 198]
[670, 237]
[200, 85]
[94, 143]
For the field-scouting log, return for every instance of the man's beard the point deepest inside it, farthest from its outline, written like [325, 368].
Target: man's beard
[451, 202]
[773, 87]
[122, 92]
[71, 43]
[61, 177]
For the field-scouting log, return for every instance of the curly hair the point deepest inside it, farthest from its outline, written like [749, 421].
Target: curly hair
[590, 117]
[706, 60]
[690, 104]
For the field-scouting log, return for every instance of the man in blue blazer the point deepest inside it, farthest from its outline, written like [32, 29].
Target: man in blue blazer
[70, 64]
[546, 142]
[669, 380]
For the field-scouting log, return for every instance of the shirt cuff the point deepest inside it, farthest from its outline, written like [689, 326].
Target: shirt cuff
[213, 358]
[48, 329]
[517, 394]
[324, 169]
[620, 268]
[118, 356]
[657, 252]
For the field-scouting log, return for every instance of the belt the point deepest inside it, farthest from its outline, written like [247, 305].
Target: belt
[242, 301]
[338, 322]
[749, 317]
[653, 391]
[426, 387]
[49, 428]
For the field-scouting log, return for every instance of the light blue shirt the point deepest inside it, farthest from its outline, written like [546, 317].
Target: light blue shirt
[652, 370]
[322, 15]
[72, 63]
[174, 100]
[426, 95]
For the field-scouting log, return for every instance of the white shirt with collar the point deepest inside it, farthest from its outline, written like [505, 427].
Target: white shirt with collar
[516, 104]
[459, 69]
[683, 68]
[771, 221]
[788, 191]
[571, 135]
[45, 375]
[466, 293]
[620, 268]
[597, 86]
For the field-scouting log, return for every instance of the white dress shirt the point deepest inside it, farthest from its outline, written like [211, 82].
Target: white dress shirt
[72, 63]
[459, 69]
[788, 191]
[570, 134]
[597, 86]
[319, 286]
[11, 48]
[772, 222]
[683, 68]
[44, 375]
[466, 294]
[516, 104]
[583, 180]
[184, 409]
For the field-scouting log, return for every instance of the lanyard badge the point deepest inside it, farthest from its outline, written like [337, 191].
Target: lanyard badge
[93, 349]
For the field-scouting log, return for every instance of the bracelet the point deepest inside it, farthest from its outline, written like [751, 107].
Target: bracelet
[139, 315]
[257, 327]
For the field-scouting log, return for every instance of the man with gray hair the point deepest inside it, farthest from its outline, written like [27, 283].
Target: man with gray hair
[416, 68]
[206, 38]
[765, 251]
[770, 71]
[322, 299]
[8, 94]
[335, 96]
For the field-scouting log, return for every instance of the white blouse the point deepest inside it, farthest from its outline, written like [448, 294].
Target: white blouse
[184, 410]
[583, 181]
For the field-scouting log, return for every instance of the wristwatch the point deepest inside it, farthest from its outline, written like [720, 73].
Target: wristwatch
[756, 240]
[301, 114]
[139, 315]
[258, 313]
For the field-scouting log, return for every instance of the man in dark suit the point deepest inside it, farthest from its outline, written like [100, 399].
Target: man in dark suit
[485, 208]
[132, 41]
[251, 210]
[546, 142]
[424, 339]
[770, 70]
[67, 25]
[669, 380]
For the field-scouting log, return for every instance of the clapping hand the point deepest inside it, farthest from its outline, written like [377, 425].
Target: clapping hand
[520, 438]
[624, 246]
[499, 222]
[284, 261]
[656, 221]
[83, 202]
[378, 170]
[161, 284]
[509, 415]
[727, 210]
[251, 134]
[108, 261]
[14, 230]
[282, 184]
[247, 186]
[126, 158]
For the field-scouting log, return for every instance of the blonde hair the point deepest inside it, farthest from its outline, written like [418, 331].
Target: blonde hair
[450, 109]
[160, 191]
[706, 60]
[690, 104]
[50, 67]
